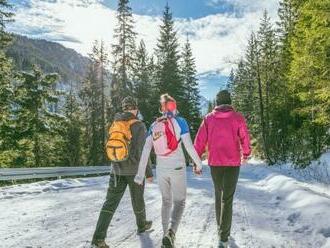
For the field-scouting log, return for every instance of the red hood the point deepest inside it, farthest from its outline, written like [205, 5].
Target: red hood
[223, 111]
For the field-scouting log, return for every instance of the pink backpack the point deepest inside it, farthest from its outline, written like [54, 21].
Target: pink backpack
[164, 137]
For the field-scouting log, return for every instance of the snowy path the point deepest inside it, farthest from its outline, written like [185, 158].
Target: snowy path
[270, 210]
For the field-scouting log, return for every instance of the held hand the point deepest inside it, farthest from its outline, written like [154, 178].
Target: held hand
[244, 161]
[197, 171]
[138, 180]
[149, 179]
[138, 183]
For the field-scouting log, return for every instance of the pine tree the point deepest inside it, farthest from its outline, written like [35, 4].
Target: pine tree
[282, 121]
[123, 53]
[268, 71]
[230, 81]
[94, 106]
[288, 15]
[7, 142]
[250, 75]
[6, 100]
[267, 52]
[35, 93]
[5, 65]
[191, 108]
[309, 73]
[143, 88]
[5, 17]
[72, 133]
[249, 94]
[100, 59]
[282, 85]
[167, 67]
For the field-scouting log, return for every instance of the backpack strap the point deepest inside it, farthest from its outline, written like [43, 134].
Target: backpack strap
[170, 121]
[131, 122]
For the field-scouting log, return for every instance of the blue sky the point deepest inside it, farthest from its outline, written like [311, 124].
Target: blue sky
[218, 29]
[182, 9]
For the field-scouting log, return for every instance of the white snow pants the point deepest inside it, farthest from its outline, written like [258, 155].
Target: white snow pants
[173, 187]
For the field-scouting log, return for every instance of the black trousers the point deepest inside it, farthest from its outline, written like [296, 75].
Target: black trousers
[224, 180]
[116, 190]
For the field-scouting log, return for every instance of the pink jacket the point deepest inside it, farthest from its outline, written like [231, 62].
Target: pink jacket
[224, 132]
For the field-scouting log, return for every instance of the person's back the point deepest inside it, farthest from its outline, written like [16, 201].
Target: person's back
[175, 158]
[226, 135]
[166, 136]
[129, 167]
[124, 148]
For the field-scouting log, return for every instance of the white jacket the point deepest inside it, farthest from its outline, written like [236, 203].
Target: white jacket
[176, 158]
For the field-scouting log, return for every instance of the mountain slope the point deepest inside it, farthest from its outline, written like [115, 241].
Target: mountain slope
[49, 56]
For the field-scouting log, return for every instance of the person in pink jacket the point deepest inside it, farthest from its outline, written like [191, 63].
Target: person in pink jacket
[225, 135]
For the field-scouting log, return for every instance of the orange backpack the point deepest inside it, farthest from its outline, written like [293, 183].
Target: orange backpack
[119, 141]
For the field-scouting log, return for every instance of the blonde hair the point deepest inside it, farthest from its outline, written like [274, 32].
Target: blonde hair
[166, 98]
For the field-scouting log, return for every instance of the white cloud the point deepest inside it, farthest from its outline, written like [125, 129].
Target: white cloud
[217, 40]
[246, 5]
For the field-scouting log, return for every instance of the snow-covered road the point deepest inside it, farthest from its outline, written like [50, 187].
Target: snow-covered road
[270, 210]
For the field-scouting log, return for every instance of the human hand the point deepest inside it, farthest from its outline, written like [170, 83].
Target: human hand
[149, 179]
[138, 180]
[197, 170]
[244, 160]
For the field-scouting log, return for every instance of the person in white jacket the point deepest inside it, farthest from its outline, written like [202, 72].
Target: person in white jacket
[170, 169]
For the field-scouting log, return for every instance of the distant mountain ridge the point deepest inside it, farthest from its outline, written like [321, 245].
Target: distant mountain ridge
[71, 66]
[49, 56]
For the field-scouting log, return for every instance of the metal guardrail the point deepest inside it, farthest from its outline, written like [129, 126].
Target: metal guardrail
[50, 172]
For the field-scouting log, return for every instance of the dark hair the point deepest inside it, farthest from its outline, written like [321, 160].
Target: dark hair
[223, 97]
[129, 103]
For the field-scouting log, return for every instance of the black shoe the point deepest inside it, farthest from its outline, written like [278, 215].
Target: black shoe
[223, 244]
[99, 244]
[168, 240]
[147, 226]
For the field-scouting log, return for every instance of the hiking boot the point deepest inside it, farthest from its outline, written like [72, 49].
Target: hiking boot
[168, 240]
[223, 244]
[147, 226]
[99, 244]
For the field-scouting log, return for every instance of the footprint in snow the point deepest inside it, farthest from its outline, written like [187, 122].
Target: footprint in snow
[302, 229]
[325, 232]
[293, 218]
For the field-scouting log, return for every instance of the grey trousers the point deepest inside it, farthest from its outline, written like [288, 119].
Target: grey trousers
[173, 187]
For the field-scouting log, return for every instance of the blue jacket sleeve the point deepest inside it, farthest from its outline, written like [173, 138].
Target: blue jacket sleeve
[183, 125]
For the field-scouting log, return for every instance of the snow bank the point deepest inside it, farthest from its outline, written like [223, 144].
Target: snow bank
[318, 171]
[294, 206]
[9, 192]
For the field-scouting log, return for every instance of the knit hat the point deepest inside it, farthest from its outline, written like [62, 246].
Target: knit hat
[129, 103]
[223, 97]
